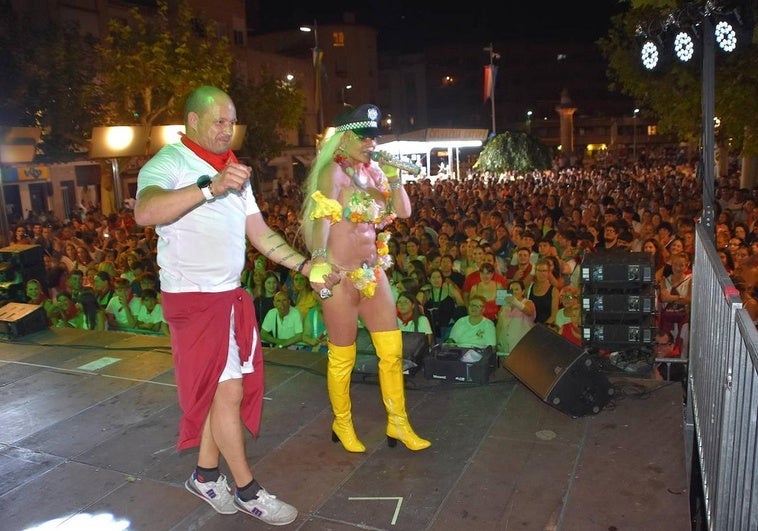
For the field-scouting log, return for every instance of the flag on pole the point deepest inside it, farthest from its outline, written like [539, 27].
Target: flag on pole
[318, 57]
[490, 75]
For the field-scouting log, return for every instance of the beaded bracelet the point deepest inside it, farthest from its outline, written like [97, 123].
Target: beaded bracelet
[394, 185]
[321, 251]
[300, 266]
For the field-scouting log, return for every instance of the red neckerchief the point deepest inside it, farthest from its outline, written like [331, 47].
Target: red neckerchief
[405, 322]
[218, 162]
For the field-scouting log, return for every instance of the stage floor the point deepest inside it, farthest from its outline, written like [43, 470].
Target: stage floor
[88, 424]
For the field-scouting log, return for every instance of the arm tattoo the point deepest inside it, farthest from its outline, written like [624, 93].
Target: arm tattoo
[271, 251]
[279, 242]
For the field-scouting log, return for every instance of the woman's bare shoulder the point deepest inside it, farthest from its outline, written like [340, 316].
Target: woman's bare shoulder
[332, 179]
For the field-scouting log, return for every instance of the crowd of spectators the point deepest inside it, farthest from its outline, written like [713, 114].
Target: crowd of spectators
[504, 249]
[100, 272]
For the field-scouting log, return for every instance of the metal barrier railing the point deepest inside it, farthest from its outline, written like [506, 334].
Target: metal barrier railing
[722, 394]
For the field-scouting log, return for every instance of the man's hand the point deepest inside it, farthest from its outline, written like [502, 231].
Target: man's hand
[233, 177]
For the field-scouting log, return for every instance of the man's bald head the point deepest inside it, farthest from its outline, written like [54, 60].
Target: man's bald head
[203, 97]
[210, 119]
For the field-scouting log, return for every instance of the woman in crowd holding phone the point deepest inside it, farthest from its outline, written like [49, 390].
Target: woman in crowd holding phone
[514, 320]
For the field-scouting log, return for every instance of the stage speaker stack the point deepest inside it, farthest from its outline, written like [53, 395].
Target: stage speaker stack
[19, 319]
[562, 374]
[618, 301]
[18, 264]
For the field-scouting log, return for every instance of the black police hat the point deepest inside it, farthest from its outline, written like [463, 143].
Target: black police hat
[363, 120]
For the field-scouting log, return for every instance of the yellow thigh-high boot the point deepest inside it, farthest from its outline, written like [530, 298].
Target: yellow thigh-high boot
[389, 348]
[339, 371]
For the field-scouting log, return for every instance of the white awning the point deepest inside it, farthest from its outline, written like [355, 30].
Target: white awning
[424, 141]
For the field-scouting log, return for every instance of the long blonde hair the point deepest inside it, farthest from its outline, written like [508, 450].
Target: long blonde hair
[324, 158]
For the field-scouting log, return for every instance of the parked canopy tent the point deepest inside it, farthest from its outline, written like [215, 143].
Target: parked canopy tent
[424, 141]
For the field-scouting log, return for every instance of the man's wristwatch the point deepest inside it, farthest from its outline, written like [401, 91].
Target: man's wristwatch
[204, 183]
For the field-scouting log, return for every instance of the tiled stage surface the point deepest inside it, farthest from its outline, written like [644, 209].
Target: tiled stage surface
[88, 429]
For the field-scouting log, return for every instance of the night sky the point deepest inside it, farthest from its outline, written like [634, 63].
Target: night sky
[407, 26]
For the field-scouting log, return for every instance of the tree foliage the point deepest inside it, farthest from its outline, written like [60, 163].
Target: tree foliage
[268, 107]
[673, 92]
[150, 65]
[43, 71]
[140, 72]
[513, 151]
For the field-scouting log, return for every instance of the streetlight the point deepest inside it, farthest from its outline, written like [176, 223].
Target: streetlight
[317, 58]
[634, 133]
[695, 16]
[344, 99]
[489, 81]
[114, 142]
[529, 121]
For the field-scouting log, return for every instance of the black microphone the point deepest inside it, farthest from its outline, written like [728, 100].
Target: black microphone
[384, 158]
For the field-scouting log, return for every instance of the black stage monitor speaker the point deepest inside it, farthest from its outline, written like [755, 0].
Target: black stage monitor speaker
[25, 255]
[18, 264]
[415, 349]
[559, 372]
[18, 319]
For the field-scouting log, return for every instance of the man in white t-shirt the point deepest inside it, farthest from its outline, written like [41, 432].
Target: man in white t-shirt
[282, 326]
[473, 330]
[200, 199]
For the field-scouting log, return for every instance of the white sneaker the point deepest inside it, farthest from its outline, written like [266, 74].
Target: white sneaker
[267, 508]
[216, 493]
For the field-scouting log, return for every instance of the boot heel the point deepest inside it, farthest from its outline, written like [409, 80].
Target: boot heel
[407, 436]
[334, 437]
[389, 349]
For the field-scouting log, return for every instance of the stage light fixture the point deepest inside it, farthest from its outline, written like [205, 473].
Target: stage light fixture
[726, 36]
[650, 55]
[684, 46]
